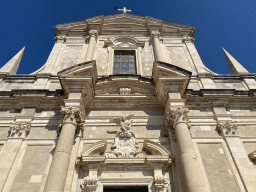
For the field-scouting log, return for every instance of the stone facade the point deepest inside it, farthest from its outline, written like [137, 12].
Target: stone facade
[175, 126]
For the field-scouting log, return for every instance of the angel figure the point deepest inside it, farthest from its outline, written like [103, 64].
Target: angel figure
[126, 122]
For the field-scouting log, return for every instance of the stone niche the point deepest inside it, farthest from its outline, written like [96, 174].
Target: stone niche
[124, 166]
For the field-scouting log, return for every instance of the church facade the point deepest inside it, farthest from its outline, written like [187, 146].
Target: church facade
[124, 103]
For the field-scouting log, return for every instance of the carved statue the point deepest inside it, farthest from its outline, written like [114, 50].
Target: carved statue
[125, 143]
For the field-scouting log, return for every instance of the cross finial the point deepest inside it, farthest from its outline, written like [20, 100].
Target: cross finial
[124, 10]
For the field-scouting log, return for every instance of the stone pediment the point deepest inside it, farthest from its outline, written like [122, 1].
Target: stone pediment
[124, 85]
[87, 69]
[122, 22]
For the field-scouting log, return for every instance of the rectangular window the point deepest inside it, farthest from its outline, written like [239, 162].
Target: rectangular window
[124, 62]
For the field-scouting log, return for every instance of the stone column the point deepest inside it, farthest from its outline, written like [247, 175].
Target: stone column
[157, 46]
[91, 47]
[72, 120]
[178, 118]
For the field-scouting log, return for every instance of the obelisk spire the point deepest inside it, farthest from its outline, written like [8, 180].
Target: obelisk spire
[234, 66]
[12, 66]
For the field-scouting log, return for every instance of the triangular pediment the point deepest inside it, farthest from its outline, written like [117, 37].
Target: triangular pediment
[122, 22]
[162, 69]
[87, 69]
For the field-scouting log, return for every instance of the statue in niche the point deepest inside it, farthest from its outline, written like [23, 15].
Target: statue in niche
[125, 143]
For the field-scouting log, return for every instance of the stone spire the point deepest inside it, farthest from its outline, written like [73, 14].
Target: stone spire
[234, 66]
[12, 66]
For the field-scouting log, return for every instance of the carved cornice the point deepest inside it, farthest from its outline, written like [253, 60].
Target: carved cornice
[19, 130]
[188, 39]
[60, 38]
[252, 156]
[176, 115]
[72, 115]
[227, 128]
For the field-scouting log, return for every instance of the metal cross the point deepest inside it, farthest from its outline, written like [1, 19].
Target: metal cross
[124, 10]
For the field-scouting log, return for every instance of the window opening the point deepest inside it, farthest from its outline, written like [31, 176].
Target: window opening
[124, 62]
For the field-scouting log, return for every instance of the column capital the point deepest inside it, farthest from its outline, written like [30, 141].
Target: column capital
[227, 128]
[155, 34]
[186, 39]
[93, 33]
[61, 39]
[72, 115]
[19, 130]
[176, 115]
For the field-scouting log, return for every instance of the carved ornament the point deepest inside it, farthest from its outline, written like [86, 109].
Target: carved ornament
[188, 39]
[252, 156]
[60, 38]
[125, 143]
[125, 91]
[177, 115]
[155, 34]
[89, 183]
[19, 130]
[72, 115]
[124, 44]
[93, 33]
[162, 183]
[227, 128]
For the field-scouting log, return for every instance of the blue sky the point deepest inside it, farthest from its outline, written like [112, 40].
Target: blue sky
[219, 23]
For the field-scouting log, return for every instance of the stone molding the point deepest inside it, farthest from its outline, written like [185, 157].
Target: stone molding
[227, 128]
[72, 115]
[19, 130]
[60, 38]
[176, 115]
[188, 39]
[252, 156]
[89, 184]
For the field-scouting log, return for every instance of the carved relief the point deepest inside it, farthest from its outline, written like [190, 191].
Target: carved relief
[155, 34]
[177, 115]
[162, 183]
[72, 115]
[124, 44]
[125, 143]
[89, 184]
[252, 156]
[125, 91]
[227, 128]
[19, 130]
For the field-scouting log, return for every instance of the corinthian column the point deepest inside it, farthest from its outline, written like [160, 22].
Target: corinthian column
[178, 118]
[91, 47]
[157, 46]
[72, 120]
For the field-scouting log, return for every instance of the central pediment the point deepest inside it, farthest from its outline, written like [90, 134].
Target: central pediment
[122, 22]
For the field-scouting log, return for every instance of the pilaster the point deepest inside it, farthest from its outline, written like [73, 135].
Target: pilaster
[17, 133]
[155, 35]
[93, 35]
[230, 132]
